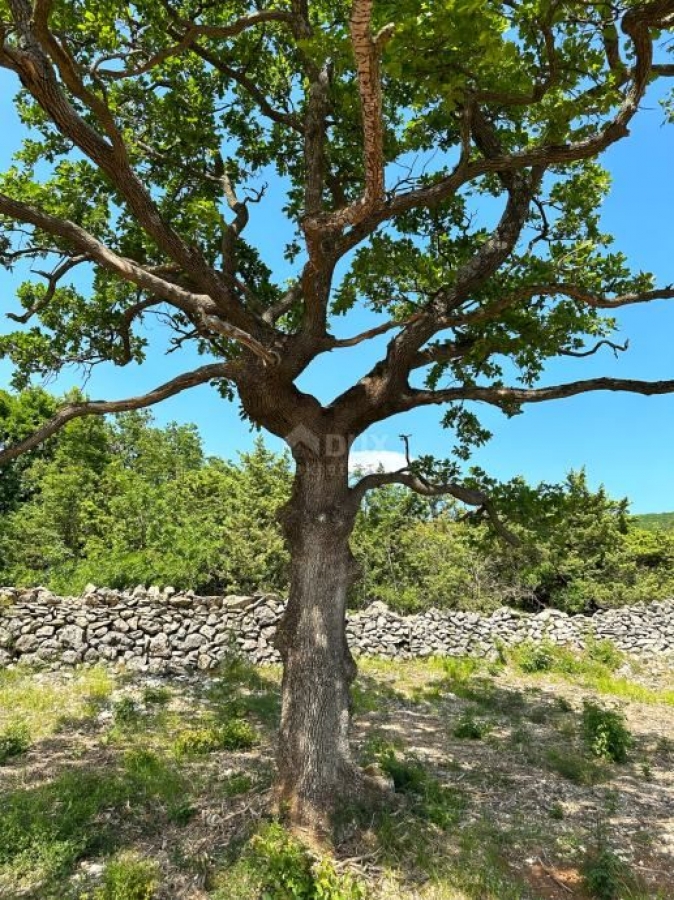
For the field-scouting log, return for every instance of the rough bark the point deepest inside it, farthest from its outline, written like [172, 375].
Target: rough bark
[315, 767]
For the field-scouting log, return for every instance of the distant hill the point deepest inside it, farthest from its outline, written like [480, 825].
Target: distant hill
[653, 521]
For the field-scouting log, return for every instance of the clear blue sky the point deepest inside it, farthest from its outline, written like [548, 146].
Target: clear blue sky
[625, 442]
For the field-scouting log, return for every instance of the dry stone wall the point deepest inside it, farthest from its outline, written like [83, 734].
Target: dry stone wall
[167, 631]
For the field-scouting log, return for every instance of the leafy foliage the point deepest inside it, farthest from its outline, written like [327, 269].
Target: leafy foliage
[123, 502]
[605, 733]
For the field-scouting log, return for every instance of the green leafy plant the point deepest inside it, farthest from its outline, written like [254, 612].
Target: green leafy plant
[604, 652]
[279, 867]
[236, 734]
[14, 741]
[125, 712]
[469, 728]
[533, 656]
[128, 876]
[605, 733]
[156, 696]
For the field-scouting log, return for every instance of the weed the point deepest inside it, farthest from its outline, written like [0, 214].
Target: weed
[469, 728]
[125, 713]
[433, 801]
[533, 656]
[604, 652]
[156, 696]
[129, 877]
[237, 734]
[602, 871]
[573, 766]
[277, 866]
[236, 784]
[605, 733]
[14, 740]
[180, 812]
[556, 811]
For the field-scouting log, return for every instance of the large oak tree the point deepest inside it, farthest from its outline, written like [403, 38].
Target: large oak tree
[396, 129]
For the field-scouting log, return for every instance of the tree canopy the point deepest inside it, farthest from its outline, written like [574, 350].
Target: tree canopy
[151, 130]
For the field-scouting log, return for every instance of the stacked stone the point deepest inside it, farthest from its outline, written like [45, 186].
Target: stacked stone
[378, 631]
[166, 631]
[146, 630]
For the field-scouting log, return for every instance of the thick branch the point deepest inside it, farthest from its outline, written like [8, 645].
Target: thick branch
[508, 397]
[33, 64]
[636, 23]
[102, 407]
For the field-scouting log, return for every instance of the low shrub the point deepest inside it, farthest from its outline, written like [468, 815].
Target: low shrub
[14, 741]
[605, 733]
[604, 652]
[533, 656]
[125, 712]
[605, 875]
[237, 734]
[469, 728]
[129, 877]
[276, 866]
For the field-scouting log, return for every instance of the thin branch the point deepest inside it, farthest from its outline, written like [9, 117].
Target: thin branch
[580, 354]
[338, 343]
[72, 411]
[192, 32]
[491, 310]
[53, 279]
[469, 496]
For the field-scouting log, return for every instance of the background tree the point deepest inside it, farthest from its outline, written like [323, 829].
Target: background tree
[149, 122]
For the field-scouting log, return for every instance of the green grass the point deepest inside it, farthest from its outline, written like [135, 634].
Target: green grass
[593, 668]
[44, 707]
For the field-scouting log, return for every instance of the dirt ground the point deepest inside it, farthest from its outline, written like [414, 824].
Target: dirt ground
[530, 806]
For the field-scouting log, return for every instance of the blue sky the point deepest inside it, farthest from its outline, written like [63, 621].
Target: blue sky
[625, 442]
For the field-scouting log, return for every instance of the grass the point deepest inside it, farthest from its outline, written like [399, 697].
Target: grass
[44, 707]
[158, 781]
[594, 669]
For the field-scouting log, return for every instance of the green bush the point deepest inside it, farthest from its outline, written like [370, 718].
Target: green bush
[276, 866]
[605, 733]
[432, 800]
[125, 712]
[604, 652]
[156, 696]
[129, 877]
[14, 741]
[237, 734]
[533, 657]
[468, 728]
[604, 874]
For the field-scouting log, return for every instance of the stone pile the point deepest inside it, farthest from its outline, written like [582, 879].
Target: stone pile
[165, 631]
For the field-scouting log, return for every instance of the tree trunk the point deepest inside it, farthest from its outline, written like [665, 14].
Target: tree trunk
[315, 767]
